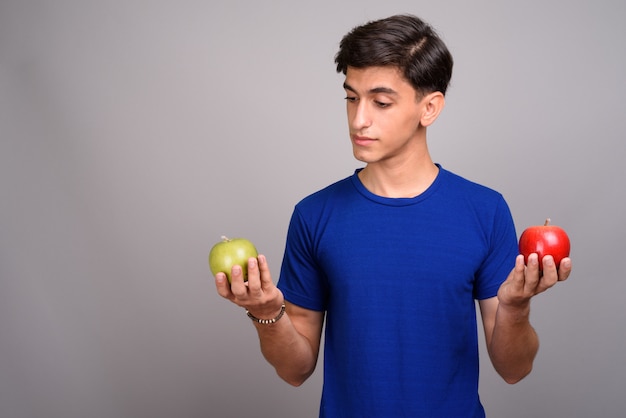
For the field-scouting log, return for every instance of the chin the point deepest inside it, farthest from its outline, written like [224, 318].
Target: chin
[362, 159]
[360, 156]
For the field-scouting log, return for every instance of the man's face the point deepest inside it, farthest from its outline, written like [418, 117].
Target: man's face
[384, 113]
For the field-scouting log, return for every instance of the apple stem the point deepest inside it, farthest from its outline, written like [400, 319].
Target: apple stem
[547, 222]
[225, 238]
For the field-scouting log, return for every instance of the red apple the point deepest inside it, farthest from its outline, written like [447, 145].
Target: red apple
[231, 252]
[545, 240]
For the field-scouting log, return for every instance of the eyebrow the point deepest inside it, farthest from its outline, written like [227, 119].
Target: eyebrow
[374, 90]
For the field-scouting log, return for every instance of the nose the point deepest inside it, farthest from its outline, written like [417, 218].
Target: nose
[360, 117]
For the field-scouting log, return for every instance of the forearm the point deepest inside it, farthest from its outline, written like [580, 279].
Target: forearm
[290, 342]
[292, 354]
[514, 343]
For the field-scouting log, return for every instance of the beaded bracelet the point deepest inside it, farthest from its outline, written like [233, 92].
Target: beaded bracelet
[267, 321]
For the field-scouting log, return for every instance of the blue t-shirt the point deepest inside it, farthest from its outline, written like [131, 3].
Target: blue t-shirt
[398, 279]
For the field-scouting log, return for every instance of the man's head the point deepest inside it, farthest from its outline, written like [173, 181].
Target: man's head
[401, 41]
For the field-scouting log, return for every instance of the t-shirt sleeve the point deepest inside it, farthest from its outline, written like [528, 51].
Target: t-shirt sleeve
[503, 250]
[301, 279]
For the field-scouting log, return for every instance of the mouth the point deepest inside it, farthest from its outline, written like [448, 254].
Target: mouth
[362, 141]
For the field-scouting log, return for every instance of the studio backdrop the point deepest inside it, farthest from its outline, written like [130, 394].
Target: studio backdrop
[133, 134]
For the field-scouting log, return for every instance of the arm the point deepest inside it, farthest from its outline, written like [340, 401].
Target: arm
[512, 342]
[292, 343]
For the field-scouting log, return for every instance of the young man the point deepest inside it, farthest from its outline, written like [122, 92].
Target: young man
[394, 256]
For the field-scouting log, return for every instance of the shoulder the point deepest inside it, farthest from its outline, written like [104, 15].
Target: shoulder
[457, 184]
[463, 183]
[339, 190]
[483, 203]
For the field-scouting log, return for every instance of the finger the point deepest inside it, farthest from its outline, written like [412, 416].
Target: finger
[237, 285]
[222, 286]
[532, 273]
[550, 275]
[512, 290]
[565, 268]
[266, 276]
[516, 278]
[254, 278]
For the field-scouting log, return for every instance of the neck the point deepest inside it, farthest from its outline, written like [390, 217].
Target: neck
[400, 179]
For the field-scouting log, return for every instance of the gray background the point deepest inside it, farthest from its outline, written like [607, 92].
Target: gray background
[135, 133]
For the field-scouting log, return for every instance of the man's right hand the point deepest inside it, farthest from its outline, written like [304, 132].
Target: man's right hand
[258, 295]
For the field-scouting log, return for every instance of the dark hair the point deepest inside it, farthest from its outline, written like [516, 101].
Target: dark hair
[402, 41]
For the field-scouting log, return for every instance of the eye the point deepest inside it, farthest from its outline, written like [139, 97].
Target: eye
[351, 99]
[382, 105]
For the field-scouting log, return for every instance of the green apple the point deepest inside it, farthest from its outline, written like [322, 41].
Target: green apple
[231, 252]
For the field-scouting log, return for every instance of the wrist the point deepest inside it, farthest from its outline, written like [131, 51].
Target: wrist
[267, 320]
[515, 313]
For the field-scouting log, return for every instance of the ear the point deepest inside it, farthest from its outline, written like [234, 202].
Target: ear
[433, 103]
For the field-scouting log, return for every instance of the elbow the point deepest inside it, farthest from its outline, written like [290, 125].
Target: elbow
[513, 378]
[295, 382]
[295, 379]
